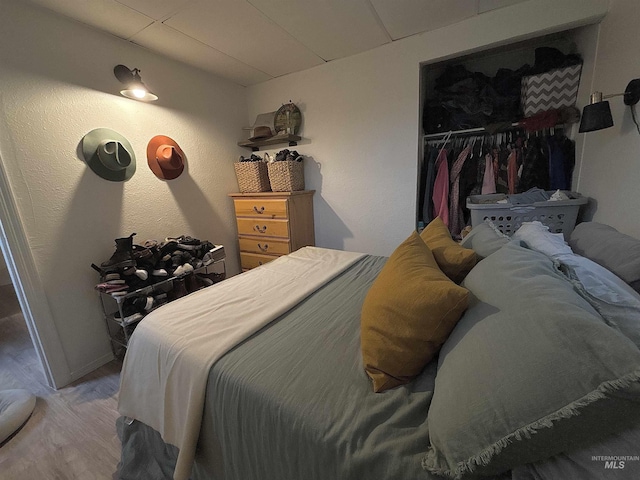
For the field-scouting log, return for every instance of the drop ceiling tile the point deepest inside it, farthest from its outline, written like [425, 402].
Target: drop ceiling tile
[486, 5]
[239, 30]
[171, 43]
[156, 9]
[107, 15]
[330, 28]
[402, 18]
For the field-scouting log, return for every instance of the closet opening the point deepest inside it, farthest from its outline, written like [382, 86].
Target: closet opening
[482, 133]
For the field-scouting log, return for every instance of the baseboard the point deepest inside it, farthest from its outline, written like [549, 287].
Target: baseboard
[97, 363]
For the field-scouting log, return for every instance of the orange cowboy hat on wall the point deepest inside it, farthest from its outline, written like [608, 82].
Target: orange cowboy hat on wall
[165, 157]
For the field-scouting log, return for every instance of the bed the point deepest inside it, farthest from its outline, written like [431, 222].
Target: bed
[290, 399]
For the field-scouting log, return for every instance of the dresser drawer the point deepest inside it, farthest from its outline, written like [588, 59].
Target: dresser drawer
[253, 260]
[272, 224]
[263, 227]
[264, 245]
[261, 207]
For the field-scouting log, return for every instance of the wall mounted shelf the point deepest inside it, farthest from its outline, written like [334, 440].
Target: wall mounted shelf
[254, 146]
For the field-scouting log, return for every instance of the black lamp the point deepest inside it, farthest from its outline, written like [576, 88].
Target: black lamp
[134, 88]
[597, 115]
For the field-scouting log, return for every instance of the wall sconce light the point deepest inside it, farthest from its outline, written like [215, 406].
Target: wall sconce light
[597, 115]
[134, 88]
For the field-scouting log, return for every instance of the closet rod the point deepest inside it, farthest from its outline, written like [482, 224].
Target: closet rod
[432, 136]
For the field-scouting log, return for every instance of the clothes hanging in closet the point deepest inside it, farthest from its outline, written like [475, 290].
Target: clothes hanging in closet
[426, 188]
[507, 163]
[441, 188]
[488, 179]
[456, 221]
[512, 171]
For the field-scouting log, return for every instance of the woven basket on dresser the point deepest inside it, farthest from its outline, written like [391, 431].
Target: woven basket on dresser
[252, 177]
[286, 176]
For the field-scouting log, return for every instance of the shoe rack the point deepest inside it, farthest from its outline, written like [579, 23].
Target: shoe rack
[113, 305]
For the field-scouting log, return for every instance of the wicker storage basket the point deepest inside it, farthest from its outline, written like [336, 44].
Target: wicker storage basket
[286, 176]
[252, 177]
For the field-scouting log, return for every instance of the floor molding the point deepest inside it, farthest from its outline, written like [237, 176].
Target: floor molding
[92, 366]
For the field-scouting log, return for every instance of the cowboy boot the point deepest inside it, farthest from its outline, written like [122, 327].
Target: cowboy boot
[191, 283]
[179, 289]
[123, 256]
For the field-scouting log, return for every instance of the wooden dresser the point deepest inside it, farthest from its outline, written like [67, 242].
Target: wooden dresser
[271, 224]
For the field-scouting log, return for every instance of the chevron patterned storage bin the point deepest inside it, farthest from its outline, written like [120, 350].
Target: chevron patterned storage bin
[550, 90]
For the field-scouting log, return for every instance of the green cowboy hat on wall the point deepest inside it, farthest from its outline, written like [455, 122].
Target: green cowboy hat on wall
[109, 155]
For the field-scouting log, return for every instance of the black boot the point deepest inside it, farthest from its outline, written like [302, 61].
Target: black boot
[179, 289]
[123, 256]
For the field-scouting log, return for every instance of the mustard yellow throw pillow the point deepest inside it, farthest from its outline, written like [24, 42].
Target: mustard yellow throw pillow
[407, 315]
[454, 260]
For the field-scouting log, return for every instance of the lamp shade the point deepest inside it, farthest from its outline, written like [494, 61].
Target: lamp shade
[139, 92]
[596, 116]
[134, 88]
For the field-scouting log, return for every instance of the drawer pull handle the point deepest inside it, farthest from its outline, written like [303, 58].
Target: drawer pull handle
[260, 212]
[265, 248]
[259, 262]
[261, 230]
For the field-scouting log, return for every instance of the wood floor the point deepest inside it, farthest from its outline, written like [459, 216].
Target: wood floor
[71, 433]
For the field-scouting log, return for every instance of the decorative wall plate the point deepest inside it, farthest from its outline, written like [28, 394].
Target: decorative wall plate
[288, 119]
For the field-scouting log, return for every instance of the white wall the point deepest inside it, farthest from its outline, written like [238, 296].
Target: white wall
[58, 84]
[361, 119]
[610, 167]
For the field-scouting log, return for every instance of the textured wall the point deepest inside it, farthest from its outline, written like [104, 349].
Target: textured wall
[57, 85]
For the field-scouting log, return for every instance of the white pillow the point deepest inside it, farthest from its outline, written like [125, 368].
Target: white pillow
[538, 237]
[616, 302]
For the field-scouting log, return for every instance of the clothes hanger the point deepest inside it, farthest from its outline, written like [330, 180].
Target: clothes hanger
[444, 143]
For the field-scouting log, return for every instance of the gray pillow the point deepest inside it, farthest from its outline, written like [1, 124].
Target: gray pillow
[484, 239]
[615, 458]
[530, 371]
[608, 247]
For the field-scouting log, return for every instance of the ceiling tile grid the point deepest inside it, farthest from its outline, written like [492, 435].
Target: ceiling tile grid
[487, 5]
[176, 45]
[330, 28]
[251, 41]
[156, 9]
[241, 31]
[403, 18]
[107, 15]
